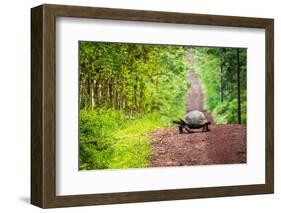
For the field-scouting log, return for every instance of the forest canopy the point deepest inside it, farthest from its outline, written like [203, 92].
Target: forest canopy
[132, 78]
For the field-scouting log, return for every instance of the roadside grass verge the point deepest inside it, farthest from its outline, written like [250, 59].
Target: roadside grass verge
[111, 140]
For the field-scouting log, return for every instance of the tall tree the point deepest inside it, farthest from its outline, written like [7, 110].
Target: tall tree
[238, 87]
[133, 78]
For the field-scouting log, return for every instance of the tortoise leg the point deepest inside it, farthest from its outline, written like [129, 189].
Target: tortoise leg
[204, 128]
[180, 129]
[188, 129]
[207, 127]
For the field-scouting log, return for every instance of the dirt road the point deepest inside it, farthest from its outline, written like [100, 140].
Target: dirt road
[195, 96]
[224, 144]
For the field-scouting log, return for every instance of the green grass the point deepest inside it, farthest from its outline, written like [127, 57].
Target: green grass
[133, 147]
[111, 140]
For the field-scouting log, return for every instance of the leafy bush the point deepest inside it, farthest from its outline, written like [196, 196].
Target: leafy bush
[226, 112]
[96, 134]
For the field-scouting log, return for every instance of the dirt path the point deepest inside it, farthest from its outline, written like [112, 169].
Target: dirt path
[195, 99]
[224, 144]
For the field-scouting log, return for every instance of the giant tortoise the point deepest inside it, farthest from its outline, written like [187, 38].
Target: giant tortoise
[193, 120]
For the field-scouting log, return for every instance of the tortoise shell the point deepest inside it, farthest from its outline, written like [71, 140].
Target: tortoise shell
[195, 118]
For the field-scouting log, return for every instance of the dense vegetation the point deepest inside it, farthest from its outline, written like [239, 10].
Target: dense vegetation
[223, 75]
[129, 90]
[126, 91]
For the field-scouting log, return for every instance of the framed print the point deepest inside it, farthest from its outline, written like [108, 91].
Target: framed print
[136, 106]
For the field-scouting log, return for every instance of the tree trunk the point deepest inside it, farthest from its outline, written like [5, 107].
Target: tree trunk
[96, 93]
[110, 93]
[221, 86]
[81, 95]
[88, 92]
[92, 95]
[238, 89]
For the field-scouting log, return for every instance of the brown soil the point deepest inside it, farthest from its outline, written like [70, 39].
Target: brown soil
[195, 98]
[223, 144]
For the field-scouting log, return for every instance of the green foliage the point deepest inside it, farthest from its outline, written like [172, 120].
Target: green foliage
[111, 140]
[217, 68]
[127, 91]
[96, 133]
[134, 78]
[133, 147]
[226, 112]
